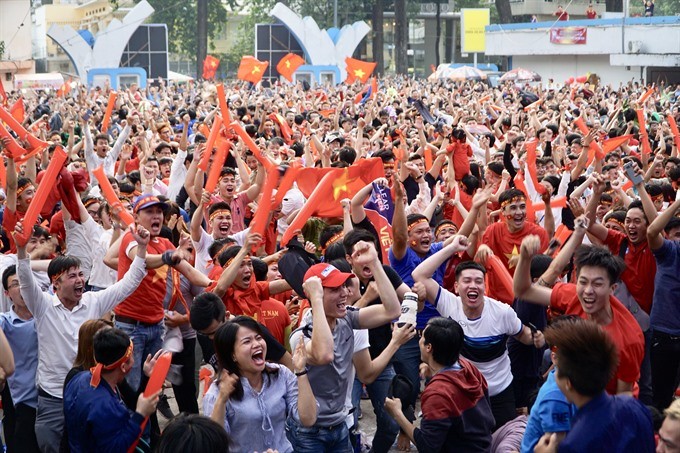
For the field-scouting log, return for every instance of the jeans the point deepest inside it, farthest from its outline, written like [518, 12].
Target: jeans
[645, 381]
[316, 439]
[49, 424]
[386, 428]
[146, 340]
[665, 368]
[407, 362]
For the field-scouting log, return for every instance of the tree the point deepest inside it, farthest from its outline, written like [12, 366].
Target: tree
[400, 37]
[504, 11]
[181, 17]
[378, 41]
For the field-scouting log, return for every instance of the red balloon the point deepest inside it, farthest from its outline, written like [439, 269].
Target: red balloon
[581, 79]
[570, 80]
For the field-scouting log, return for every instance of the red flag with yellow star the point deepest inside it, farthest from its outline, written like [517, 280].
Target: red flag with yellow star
[347, 182]
[251, 69]
[357, 69]
[289, 64]
[210, 65]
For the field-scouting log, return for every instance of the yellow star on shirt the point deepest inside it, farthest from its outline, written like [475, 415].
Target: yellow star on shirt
[512, 261]
[161, 274]
[359, 73]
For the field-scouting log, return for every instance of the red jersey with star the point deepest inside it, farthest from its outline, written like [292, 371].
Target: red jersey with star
[146, 303]
[505, 244]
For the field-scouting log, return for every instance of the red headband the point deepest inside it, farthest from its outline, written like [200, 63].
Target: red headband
[97, 370]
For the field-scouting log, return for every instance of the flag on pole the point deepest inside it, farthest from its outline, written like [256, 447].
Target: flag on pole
[17, 110]
[251, 69]
[289, 64]
[210, 65]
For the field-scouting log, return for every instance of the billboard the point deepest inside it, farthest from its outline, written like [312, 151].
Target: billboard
[472, 34]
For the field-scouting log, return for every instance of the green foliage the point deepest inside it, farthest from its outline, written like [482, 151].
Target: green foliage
[2, 49]
[180, 17]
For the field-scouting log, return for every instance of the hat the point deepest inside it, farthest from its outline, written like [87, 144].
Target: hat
[330, 276]
[333, 137]
[146, 200]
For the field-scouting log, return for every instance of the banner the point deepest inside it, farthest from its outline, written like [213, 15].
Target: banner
[568, 35]
[472, 35]
[379, 209]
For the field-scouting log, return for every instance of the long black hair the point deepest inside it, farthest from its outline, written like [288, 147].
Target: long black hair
[225, 343]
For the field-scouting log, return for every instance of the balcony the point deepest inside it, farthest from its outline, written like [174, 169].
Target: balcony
[544, 9]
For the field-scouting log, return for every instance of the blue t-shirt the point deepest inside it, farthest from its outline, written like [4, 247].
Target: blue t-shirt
[551, 413]
[610, 423]
[23, 339]
[665, 315]
[405, 267]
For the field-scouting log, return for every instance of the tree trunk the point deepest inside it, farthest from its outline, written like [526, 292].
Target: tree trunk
[504, 11]
[438, 35]
[201, 35]
[400, 37]
[378, 42]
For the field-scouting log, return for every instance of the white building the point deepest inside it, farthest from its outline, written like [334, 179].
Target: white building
[617, 50]
[15, 38]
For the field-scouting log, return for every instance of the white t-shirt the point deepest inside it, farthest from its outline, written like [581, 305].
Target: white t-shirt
[485, 337]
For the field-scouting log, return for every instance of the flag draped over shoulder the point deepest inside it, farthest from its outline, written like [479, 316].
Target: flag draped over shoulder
[251, 69]
[289, 64]
[358, 70]
[210, 65]
[379, 210]
[346, 183]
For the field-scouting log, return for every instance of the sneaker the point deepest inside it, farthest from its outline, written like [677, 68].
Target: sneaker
[164, 407]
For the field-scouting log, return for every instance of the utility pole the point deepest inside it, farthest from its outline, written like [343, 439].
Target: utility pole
[202, 35]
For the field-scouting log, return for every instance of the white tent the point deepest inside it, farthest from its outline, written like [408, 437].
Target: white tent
[177, 77]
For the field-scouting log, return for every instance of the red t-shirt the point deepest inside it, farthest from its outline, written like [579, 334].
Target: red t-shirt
[505, 244]
[624, 331]
[9, 221]
[57, 228]
[640, 268]
[146, 303]
[275, 317]
[591, 14]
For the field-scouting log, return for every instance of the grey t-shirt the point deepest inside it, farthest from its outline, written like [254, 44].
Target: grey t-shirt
[330, 382]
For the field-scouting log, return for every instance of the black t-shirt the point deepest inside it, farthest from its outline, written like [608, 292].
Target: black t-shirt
[412, 189]
[380, 337]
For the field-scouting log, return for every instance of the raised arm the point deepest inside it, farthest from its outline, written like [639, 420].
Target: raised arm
[655, 228]
[320, 347]
[522, 285]
[425, 270]
[594, 228]
[365, 255]
[196, 226]
[399, 223]
[562, 259]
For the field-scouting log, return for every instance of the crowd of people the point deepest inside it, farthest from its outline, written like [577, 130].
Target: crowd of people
[496, 269]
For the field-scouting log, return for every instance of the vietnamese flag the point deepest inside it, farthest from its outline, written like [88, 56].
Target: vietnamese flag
[289, 64]
[210, 65]
[346, 183]
[286, 131]
[251, 69]
[17, 110]
[359, 70]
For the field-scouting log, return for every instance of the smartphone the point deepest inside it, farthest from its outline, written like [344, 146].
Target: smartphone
[629, 168]
[87, 115]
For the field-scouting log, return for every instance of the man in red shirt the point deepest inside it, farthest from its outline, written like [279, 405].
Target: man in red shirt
[504, 238]
[590, 298]
[141, 314]
[590, 12]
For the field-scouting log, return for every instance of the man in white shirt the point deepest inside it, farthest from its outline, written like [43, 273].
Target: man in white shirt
[487, 324]
[58, 318]
[97, 153]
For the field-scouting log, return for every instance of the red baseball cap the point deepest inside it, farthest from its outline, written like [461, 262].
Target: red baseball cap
[330, 276]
